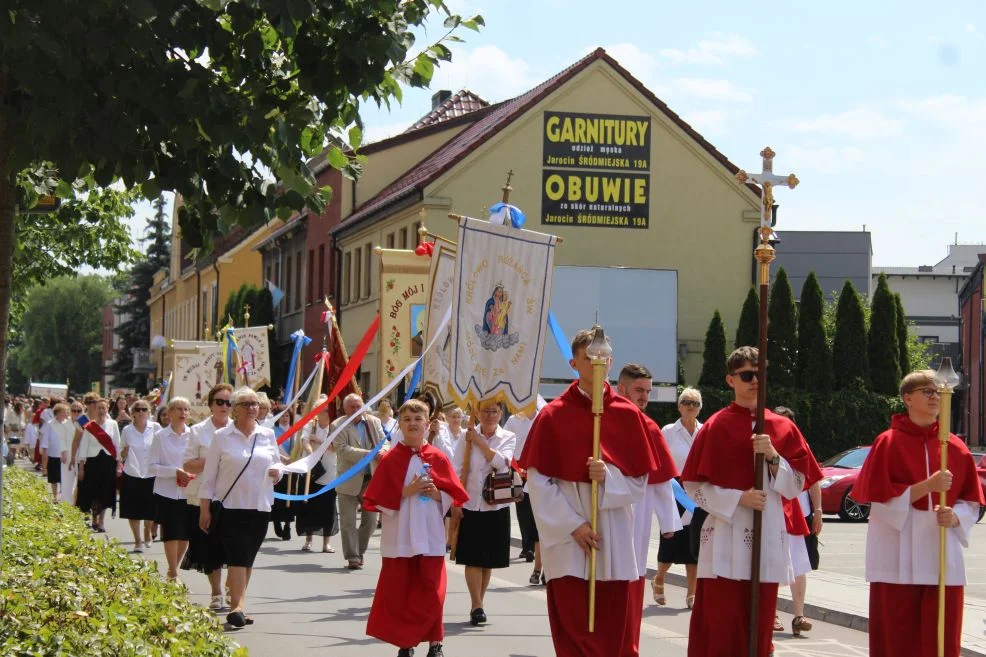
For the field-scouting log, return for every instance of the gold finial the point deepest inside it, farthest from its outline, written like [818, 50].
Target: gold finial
[422, 232]
[507, 188]
[246, 315]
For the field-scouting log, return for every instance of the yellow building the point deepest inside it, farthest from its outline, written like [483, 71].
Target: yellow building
[598, 160]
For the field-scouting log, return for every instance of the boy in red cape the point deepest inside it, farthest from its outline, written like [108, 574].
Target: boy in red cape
[410, 597]
[560, 467]
[718, 475]
[901, 479]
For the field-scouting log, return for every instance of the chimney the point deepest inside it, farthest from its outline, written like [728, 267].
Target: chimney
[440, 97]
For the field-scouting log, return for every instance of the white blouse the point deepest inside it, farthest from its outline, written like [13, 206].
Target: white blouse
[89, 447]
[680, 441]
[418, 527]
[138, 445]
[164, 460]
[226, 457]
[198, 443]
[315, 438]
[502, 443]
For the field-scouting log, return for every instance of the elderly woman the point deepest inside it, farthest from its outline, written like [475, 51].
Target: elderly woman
[98, 457]
[484, 530]
[318, 515]
[241, 467]
[677, 549]
[170, 478]
[264, 416]
[137, 486]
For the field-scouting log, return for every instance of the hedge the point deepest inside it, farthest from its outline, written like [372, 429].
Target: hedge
[831, 421]
[68, 593]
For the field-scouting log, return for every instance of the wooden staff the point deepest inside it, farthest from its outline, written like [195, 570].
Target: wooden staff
[313, 395]
[463, 477]
[945, 379]
[598, 352]
[292, 484]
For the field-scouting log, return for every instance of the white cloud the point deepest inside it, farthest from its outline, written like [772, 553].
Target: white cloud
[708, 123]
[857, 124]
[642, 65]
[958, 114]
[710, 89]
[715, 49]
[487, 71]
[376, 132]
[970, 28]
[816, 158]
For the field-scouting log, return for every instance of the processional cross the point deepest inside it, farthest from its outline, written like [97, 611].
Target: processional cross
[767, 179]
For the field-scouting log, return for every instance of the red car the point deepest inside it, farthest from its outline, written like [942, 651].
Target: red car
[839, 475]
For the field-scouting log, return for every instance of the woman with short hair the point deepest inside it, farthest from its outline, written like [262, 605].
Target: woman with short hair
[170, 479]
[137, 485]
[241, 467]
[98, 459]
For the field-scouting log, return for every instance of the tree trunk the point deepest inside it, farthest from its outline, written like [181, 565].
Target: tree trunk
[7, 236]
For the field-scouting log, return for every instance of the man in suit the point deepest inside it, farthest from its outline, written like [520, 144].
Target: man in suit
[351, 445]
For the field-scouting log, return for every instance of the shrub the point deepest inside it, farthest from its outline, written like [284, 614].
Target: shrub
[749, 323]
[782, 333]
[850, 361]
[884, 351]
[68, 593]
[714, 354]
[814, 356]
[904, 355]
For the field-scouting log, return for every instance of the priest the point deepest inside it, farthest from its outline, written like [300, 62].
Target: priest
[901, 479]
[719, 476]
[560, 467]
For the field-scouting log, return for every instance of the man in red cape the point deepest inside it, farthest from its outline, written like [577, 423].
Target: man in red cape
[560, 466]
[635, 383]
[410, 597]
[901, 479]
[718, 475]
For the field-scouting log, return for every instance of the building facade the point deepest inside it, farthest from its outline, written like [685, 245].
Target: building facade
[972, 337]
[834, 256]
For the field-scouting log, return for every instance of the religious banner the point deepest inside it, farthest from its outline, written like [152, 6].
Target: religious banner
[254, 358]
[500, 297]
[607, 183]
[403, 302]
[435, 365]
[197, 369]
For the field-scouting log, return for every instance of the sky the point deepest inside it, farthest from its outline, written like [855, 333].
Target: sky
[879, 108]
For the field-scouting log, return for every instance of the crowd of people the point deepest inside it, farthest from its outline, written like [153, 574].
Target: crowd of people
[435, 482]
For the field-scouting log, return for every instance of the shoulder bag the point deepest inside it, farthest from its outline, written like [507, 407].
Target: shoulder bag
[215, 506]
[503, 488]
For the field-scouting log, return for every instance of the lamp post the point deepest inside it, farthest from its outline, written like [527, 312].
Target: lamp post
[945, 380]
[599, 353]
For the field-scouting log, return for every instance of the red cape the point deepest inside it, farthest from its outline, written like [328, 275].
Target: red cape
[665, 463]
[723, 450]
[794, 518]
[560, 441]
[387, 484]
[897, 461]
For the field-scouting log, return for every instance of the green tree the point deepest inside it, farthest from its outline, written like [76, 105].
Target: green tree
[714, 354]
[850, 361]
[782, 333]
[748, 330]
[63, 331]
[884, 351]
[814, 371]
[902, 337]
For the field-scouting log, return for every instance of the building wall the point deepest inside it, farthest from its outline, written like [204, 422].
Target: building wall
[834, 257]
[973, 396]
[320, 280]
[930, 303]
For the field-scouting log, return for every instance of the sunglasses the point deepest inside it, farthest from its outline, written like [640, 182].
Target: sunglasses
[248, 404]
[746, 376]
[142, 410]
[222, 402]
[690, 403]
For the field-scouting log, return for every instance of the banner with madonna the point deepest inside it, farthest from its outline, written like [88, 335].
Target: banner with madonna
[501, 293]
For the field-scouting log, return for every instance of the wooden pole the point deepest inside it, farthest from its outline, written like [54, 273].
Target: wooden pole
[598, 378]
[463, 477]
[944, 424]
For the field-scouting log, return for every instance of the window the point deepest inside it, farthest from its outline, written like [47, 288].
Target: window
[321, 272]
[215, 306]
[390, 241]
[287, 286]
[310, 290]
[297, 281]
[415, 236]
[347, 275]
[366, 268]
[403, 238]
[357, 273]
[928, 339]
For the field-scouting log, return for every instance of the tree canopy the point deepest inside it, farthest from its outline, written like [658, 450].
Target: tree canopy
[850, 359]
[814, 371]
[714, 354]
[782, 332]
[884, 352]
[748, 329]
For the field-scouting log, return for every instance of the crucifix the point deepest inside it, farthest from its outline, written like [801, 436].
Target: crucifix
[764, 254]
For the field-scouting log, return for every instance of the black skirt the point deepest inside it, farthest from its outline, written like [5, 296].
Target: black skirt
[484, 539]
[54, 470]
[677, 549]
[170, 515]
[317, 515]
[205, 551]
[137, 498]
[242, 532]
[101, 475]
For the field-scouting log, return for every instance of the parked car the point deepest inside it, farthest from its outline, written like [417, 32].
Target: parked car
[839, 475]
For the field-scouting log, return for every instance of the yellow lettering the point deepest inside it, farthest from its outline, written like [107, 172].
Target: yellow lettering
[574, 188]
[642, 127]
[554, 187]
[631, 134]
[566, 130]
[592, 131]
[592, 189]
[619, 132]
[611, 190]
[551, 128]
[580, 130]
[640, 191]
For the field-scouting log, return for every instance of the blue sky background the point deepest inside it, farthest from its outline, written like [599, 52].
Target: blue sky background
[880, 108]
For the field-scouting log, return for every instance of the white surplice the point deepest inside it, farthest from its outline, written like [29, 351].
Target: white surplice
[561, 506]
[658, 502]
[727, 534]
[418, 527]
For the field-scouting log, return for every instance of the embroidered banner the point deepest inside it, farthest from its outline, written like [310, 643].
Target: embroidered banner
[435, 364]
[502, 288]
[197, 369]
[403, 302]
[254, 366]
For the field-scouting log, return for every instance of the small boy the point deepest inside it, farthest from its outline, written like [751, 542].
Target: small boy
[410, 596]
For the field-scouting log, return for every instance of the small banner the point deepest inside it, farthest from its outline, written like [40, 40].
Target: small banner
[403, 303]
[254, 362]
[501, 292]
[435, 364]
[197, 369]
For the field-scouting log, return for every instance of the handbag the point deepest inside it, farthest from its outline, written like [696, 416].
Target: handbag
[503, 488]
[215, 506]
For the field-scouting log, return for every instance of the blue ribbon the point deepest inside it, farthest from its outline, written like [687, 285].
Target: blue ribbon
[564, 346]
[681, 497]
[300, 341]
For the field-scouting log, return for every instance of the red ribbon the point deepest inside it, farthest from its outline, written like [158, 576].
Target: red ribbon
[99, 434]
[347, 373]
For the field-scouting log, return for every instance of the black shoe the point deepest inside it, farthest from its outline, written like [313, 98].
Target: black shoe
[405, 652]
[236, 619]
[287, 533]
[435, 651]
[477, 616]
[526, 555]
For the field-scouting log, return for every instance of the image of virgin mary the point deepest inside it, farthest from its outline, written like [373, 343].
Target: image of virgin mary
[495, 320]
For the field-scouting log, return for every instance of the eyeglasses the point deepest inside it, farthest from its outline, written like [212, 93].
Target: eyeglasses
[222, 402]
[76, 410]
[929, 392]
[746, 376]
[690, 403]
[249, 404]
[142, 410]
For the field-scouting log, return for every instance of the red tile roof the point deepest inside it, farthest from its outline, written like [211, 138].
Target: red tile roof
[409, 187]
[456, 105]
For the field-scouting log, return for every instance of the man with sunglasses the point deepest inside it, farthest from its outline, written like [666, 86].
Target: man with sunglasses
[719, 476]
[901, 479]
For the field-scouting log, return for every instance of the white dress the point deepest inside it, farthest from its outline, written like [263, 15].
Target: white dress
[418, 527]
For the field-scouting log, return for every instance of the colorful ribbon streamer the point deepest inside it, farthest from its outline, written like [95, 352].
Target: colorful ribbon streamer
[564, 346]
[681, 497]
[301, 390]
[300, 342]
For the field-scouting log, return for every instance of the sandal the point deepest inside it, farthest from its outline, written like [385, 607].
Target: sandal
[800, 624]
[307, 547]
[689, 601]
[535, 578]
[658, 589]
[329, 549]
[778, 625]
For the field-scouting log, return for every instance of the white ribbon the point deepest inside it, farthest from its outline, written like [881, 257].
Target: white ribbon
[301, 391]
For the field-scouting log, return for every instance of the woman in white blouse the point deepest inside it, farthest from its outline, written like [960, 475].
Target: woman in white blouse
[137, 486]
[241, 467]
[484, 530]
[97, 467]
[166, 464]
[677, 549]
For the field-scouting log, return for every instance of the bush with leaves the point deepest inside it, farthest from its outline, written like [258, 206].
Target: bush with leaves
[748, 331]
[66, 592]
[782, 333]
[814, 356]
[884, 352]
[850, 360]
[714, 354]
